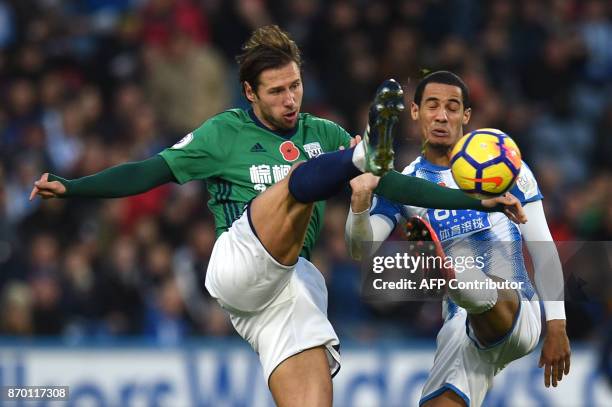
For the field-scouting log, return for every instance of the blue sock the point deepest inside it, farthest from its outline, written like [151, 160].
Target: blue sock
[322, 177]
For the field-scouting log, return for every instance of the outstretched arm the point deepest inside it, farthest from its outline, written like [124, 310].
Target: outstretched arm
[548, 276]
[361, 226]
[115, 182]
[415, 191]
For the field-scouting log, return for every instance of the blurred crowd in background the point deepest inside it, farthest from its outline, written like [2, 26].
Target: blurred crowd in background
[88, 84]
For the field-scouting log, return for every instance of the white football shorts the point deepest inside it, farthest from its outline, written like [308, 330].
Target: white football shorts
[462, 364]
[280, 310]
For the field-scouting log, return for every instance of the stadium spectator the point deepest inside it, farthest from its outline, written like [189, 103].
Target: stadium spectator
[187, 82]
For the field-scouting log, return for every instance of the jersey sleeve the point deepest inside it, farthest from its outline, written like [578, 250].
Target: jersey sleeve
[198, 155]
[344, 139]
[391, 210]
[526, 188]
[333, 135]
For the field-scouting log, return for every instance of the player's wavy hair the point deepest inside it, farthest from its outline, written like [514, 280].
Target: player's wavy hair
[268, 47]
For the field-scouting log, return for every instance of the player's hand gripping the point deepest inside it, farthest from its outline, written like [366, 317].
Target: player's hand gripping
[47, 189]
[555, 356]
[512, 207]
[363, 187]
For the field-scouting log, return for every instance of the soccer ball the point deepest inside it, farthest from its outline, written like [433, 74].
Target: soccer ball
[485, 163]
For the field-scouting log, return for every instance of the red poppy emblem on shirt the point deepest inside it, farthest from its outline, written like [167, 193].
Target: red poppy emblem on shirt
[289, 151]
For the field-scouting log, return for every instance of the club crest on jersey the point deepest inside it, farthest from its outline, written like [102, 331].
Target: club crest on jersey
[183, 142]
[313, 149]
[289, 151]
[527, 184]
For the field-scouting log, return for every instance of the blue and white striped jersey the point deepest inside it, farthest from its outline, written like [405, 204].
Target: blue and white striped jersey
[467, 229]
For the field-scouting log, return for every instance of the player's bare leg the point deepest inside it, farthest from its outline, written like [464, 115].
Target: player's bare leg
[489, 327]
[281, 222]
[491, 311]
[494, 324]
[303, 380]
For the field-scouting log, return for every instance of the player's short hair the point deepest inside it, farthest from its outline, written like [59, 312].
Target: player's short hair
[446, 78]
[268, 47]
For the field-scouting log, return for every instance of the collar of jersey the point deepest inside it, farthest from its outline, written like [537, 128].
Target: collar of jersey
[286, 134]
[430, 166]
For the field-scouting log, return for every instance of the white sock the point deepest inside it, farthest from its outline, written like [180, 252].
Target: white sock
[359, 159]
[475, 300]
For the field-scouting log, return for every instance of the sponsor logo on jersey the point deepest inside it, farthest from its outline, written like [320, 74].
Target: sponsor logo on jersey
[258, 148]
[263, 175]
[289, 151]
[183, 142]
[450, 224]
[313, 149]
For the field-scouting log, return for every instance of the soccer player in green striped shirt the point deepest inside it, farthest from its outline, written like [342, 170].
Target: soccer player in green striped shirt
[268, 210]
